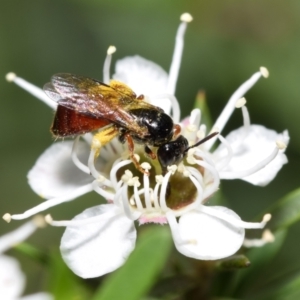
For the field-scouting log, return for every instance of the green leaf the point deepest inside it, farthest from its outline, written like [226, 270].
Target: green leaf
[32, 252]
[289, 291]
[285, 212]
[135, 278]
[285, 287]
[259, 257]
[201, 103]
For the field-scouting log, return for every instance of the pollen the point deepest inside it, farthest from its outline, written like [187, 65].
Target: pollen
[172, 169]
[192, 128]
[268, 236]
[280, 145]
[7, 217]
[267, 218]
[241, 102]
[159, 179]
[127, 176]
[146, 166]
[186, 17]
[39, 221]
[111, 50]
[10, 77]
[48, 219]
[264, 72]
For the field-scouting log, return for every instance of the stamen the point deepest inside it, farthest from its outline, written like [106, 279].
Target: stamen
[32, 89]
[147, 191]
[20, 234]
[106, 195]
[215, 175]
[54, 201]
[267, 237]
[232, 220]
[107, 62]
[155, 196]
[246, 119]
[176, 60]
[75, 158]
[90, 220]
[125, 201]
[229, 108]
[174, 105]
[229, 156]
[256, 168]
[91, 163]
[115, 169]
[195, 117]
[137, 199]
[163, 190]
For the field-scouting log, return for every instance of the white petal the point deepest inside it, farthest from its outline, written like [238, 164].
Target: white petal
[12, 279]
[98, 248]
[54, 173]
[211, 238]
[259, 143]
[144, 77]
[38, 296]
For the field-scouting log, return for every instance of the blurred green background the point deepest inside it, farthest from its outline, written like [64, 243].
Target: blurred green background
[225, 44]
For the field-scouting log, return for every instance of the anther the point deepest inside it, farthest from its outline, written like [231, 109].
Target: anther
[111, 50]
[264, 72]
[192, 128]
[134, 181]
[200, 134]
[172, 169]
[96, 144]
[10, 77]
[267, 236]
[186, 17]
[7, 217]
[241, 102]
[280, 145]
[101, 179]
[39, 221]
[48, 219]
[159, 179]
[266, 218]
[146, 166]
[127, 176]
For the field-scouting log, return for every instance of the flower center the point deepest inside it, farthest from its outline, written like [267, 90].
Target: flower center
[180, 190]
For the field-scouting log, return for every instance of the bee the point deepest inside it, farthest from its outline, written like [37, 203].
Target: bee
[86, 104]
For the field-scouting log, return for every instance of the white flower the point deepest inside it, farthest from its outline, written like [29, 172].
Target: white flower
[99, 240]
[12, 279]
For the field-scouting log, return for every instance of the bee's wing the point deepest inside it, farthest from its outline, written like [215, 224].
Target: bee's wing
[51, 92]
[94, 98]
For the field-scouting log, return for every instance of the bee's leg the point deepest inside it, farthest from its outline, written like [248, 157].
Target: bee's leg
[130, 143]
[150, 153]
[104, 137]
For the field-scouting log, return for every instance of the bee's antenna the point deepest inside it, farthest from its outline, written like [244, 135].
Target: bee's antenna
[202, 141]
